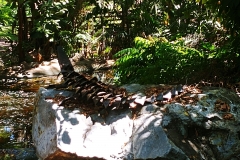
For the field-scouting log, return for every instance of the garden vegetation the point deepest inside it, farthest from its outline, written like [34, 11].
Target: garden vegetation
[154, 41]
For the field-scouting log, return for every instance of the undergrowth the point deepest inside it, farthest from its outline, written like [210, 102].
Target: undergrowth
[155, 61]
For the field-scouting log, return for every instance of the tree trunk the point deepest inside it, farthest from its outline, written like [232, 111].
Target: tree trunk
[21, 54]
[77, 12]
[126, 22]
[25, 24]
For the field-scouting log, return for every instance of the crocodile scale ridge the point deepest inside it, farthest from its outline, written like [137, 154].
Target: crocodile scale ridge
[91, 93]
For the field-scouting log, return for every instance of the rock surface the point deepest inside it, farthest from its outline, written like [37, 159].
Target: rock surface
[52, 68]
[207, 127]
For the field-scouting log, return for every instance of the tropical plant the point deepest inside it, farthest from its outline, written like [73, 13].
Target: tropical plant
[158, 61]
[7, 19]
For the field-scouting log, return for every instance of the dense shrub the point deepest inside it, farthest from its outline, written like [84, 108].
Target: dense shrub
[158, 61]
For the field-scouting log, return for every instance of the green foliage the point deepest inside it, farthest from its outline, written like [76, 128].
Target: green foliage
[88, 39]
[54, 23]
[5, 32]
[109, 26]
[7, 13]
[156, 61]
[227, 12]
[4, 136]
[7, 18]
[6, 157]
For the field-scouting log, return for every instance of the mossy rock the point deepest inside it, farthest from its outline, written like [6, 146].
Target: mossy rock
[4, 137]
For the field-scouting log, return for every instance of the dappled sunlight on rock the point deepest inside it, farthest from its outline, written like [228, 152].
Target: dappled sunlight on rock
[173, 129]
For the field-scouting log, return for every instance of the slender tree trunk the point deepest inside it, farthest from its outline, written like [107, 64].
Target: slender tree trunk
[125, 22]
[77, 12]
[25, 24]
[34, 5]
[21, 54]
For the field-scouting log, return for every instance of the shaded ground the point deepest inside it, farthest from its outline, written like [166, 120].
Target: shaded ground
[3, 45]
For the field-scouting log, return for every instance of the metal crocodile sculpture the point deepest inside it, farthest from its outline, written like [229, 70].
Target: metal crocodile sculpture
[94, 96]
